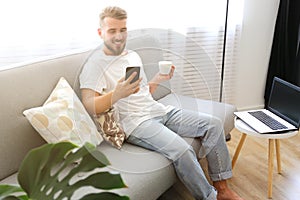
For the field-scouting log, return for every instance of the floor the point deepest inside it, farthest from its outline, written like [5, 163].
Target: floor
[250, 174]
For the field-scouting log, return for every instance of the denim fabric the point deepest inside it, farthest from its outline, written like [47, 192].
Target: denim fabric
[164, 135]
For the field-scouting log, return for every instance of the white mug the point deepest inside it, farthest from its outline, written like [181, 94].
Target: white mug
[164, 67]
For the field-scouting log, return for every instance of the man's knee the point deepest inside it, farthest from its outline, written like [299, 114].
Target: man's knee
[182, 149]
[216, 125]
[186, 153]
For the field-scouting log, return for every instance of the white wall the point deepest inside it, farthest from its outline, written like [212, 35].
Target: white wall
[256, 42]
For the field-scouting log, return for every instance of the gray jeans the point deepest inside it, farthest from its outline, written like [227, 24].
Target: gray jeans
[164, 135]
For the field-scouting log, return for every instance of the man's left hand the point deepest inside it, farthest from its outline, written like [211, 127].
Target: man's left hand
[159, 78]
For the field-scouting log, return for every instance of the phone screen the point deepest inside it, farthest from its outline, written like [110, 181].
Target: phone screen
[130, 70]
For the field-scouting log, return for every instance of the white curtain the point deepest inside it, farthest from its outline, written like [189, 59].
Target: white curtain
[33, 29]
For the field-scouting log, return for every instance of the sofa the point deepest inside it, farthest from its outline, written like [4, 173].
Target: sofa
[147, 174]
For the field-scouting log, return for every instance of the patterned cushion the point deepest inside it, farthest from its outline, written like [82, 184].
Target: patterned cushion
[110, 128]
[63, 118]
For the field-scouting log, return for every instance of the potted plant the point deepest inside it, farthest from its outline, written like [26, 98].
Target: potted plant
[56, 171]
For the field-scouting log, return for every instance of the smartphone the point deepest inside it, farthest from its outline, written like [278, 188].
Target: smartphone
[130, 70]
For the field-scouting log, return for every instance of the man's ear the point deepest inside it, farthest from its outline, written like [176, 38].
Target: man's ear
[99, 32]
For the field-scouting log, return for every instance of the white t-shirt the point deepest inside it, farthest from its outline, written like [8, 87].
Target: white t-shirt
[101, 73]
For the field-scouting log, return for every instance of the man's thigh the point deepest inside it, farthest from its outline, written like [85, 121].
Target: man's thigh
[187, 123]
[153, 134]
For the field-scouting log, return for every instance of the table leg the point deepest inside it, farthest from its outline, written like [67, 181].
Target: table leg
[238, 149]
[277, 142]
[271, 166]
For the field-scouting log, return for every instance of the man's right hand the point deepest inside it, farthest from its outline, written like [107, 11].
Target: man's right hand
[124, 88]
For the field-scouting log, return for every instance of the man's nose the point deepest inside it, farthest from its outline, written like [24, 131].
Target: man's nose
[119, 36]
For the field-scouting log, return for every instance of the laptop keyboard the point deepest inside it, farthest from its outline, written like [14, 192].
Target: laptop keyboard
[267, 120]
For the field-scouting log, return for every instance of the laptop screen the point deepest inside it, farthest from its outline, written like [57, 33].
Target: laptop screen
[285, 101]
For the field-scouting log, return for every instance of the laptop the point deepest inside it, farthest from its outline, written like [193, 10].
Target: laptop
[282, 113]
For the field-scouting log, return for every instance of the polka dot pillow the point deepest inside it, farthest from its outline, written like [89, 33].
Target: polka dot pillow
[63, 118]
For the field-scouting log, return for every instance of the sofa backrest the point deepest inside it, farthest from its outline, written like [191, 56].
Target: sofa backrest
[29, 85]
[151, 52]
[25, 87]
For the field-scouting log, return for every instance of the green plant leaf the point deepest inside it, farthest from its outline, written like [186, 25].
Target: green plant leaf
[104, 196]
[112, 181]
[35, 170]
[52, 172]
[23, 197]
[8, 192]
[10, 198]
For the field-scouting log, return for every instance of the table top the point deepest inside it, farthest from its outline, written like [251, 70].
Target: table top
[244, 128]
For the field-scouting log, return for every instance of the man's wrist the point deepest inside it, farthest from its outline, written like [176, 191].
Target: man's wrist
[113, 97]
[152, 86]
[154, 81]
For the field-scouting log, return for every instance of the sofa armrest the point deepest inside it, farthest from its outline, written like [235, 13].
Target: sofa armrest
[223, 111]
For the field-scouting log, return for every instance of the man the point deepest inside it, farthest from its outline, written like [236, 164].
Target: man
[148, 123]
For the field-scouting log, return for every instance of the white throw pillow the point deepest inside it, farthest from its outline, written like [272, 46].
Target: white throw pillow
[63, 118]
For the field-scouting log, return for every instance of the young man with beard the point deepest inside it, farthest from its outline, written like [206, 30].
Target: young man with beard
[148, 123]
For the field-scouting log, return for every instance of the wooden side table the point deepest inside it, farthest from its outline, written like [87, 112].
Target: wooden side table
[274, 140]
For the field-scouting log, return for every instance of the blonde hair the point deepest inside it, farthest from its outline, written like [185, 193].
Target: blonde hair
[113, 12]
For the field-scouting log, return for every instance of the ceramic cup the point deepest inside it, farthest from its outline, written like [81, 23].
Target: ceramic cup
[164, 67]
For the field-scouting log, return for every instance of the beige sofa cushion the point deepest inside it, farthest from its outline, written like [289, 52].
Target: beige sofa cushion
[24, 87]
[63, 118]
[146, 173]
[221, 110]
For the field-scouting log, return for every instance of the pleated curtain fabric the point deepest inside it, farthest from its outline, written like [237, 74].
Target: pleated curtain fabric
[285, 56]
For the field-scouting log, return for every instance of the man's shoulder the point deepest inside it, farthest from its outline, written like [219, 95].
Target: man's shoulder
[97, 57]
[97, 53]
[132, 54]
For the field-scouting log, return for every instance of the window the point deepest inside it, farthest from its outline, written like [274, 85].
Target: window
[37, 28]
